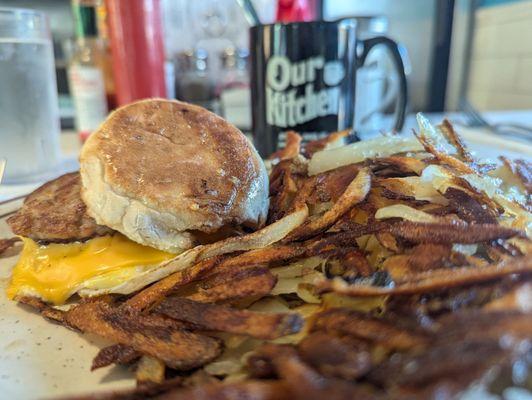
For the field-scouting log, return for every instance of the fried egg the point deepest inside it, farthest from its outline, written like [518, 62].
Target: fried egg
[56, 271]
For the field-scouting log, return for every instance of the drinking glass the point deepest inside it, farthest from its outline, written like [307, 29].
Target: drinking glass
[29, 113]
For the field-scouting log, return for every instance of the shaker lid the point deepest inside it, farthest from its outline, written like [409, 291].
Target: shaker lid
[193, 60]
[234, 58]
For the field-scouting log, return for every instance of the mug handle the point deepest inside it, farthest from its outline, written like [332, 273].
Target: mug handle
[400, 108]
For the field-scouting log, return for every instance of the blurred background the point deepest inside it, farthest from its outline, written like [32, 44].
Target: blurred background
[457, 52]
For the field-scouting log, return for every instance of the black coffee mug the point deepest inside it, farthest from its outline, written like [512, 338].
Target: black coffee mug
[303, 78]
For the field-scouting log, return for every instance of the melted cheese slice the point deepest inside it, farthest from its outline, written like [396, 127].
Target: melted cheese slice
[56, 271]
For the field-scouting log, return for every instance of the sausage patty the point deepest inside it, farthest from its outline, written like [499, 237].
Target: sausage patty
[55, 212]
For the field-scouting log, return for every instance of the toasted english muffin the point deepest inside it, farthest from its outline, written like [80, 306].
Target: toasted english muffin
[159, 171]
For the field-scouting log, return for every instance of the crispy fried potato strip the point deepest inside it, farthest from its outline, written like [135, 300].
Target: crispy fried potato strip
[267, 255]
[468, 208]
[44, 309]
[148, 335]
[6, 244]
[226, 319]
[329, 186]
[341, 357]
[456, 140]
[235, 283]
[115, 354]
[399, 164]
[356, 192]
[422, 257]
[522, 170]
[419, 232]
[292, 148]
[443, 157]
[286, 179]
[358, 325]
[325, 245]
[465, 346]
[434, 280]
[152, 335]
[159, 290]
[305, 382]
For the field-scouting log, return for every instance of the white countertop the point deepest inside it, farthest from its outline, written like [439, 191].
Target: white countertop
[483, 143]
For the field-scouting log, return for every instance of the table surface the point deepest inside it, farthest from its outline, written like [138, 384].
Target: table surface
[481, 142]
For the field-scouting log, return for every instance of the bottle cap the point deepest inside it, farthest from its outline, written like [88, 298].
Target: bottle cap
[85, 20]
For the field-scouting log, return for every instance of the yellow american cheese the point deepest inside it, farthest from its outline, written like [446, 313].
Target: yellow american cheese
[56, 271]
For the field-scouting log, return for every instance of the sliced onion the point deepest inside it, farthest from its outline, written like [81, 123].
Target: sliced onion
[224, 367]
[298, 268]
[487, 184]
[353, 153]
[306, 311]
[416, 187]
[512, 187]
[290, 285]
[305, 293]
[261, 238]
[466, 249]
[405, 212]
[364, 304]
[437, 176]
[270, 305]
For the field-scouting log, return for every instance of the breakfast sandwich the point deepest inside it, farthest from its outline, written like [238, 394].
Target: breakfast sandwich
[157, 178]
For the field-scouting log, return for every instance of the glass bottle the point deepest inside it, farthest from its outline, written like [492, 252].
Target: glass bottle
[194, 83]
[86, 71]
[234, 90]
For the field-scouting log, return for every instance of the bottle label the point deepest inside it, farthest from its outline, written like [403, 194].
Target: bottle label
[88, 93]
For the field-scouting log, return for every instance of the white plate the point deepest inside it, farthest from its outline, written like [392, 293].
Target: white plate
[40, 359]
